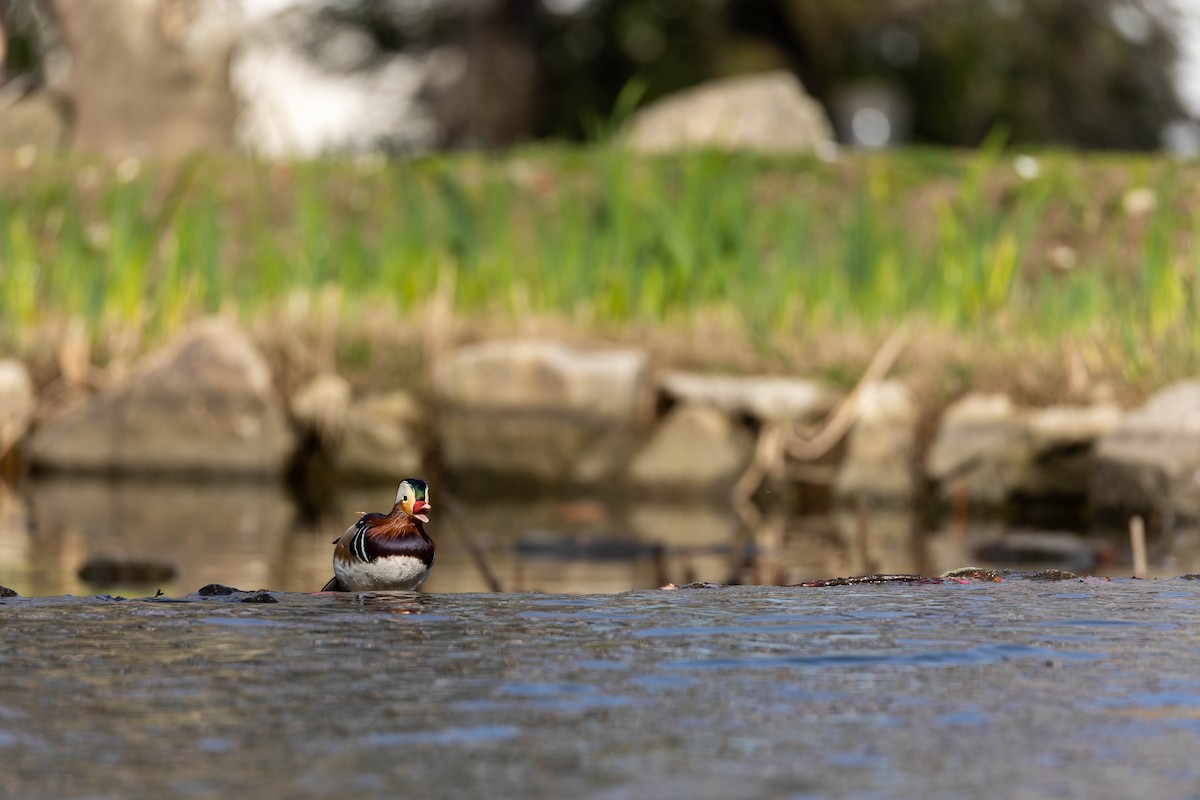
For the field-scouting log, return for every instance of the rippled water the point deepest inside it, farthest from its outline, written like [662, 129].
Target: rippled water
[1013, 689]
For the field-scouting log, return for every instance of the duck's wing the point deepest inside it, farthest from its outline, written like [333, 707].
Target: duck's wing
[334, 585]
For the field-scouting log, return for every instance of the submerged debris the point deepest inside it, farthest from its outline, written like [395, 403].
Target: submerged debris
[974, 573]
[861, 579]
[218, 590]
[236, 595]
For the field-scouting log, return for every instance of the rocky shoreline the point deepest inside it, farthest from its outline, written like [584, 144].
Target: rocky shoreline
[542, 415]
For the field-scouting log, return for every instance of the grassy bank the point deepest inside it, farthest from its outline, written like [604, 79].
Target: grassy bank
[1056, 272]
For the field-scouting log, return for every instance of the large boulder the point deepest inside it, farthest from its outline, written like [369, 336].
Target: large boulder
[16, 403]
[1151, 462]
[539, 411]
[881, 452]
[768, 112]
[203, 405]
[694, 449]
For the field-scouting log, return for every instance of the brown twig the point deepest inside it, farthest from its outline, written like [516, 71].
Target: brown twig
[838, 424]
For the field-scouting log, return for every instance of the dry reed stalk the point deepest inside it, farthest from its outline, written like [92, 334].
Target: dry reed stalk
[1137, 544]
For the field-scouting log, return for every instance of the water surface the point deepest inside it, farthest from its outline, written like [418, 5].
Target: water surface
[1013, 689]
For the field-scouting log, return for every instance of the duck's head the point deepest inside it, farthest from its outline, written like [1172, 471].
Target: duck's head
[413, 498]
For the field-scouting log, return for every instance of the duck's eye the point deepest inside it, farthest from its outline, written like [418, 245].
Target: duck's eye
[403, 499]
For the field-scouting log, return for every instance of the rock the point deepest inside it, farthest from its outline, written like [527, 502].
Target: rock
[763, 398]
[539, 411]
[1151, 462]
[320, 407]
[33, 121]
[203, 405]
[1064, 439]
[145, 77]
[983, 441]
[382, 439]
[537, 375]
[696, 449]
[881, 454]
[768, 112]
[1043, 457]
[16, 403]
[7, 592]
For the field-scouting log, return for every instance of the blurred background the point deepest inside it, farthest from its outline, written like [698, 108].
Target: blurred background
[311, 77]
[957, 237]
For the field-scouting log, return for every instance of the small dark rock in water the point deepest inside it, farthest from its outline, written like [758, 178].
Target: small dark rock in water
[260, 597]
[217, 590]
[1191, 576]
[109, 571]
[7, 592]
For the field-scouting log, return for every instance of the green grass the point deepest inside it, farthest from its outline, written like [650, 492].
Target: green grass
[783, 246]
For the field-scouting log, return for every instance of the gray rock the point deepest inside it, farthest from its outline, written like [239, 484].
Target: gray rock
[16, 403]
[694, 448]
[1000, 451]
[1151, 462]
[768, 112]
[203, 405]
[382, 438]
[1064, 440]
[984, 441]
[881, 452]
[540, 411]
[764, 398]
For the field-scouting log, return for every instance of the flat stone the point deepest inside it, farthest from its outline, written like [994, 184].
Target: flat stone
[204, 404]
[694, 448]
[762, 397]
[767, 112]
[539, 375]
[533, 410]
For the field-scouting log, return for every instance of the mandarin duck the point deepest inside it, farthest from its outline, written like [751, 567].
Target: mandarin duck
[386, 552]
